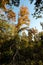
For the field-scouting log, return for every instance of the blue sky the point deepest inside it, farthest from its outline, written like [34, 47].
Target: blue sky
[33, 22]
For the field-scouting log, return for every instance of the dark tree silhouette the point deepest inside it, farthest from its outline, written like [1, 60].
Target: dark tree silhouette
[38, 8]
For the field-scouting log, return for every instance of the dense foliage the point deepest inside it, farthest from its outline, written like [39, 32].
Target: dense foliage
[21, 50]
[16, 49]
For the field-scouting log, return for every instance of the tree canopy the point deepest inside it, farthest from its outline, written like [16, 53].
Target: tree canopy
[38, 6]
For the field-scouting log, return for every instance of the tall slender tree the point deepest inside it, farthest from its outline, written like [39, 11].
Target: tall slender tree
[23, 17]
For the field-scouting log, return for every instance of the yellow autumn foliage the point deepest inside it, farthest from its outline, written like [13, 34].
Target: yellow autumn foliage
[3, 3]
[23, 17]
[11, 15]
[24, 11]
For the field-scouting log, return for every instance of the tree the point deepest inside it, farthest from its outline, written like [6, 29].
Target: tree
[38, 8]
[41, 35]
[10, 2]
[31, 32]
[7, 31]
[9, 39]
[23, 17]
[11, 15]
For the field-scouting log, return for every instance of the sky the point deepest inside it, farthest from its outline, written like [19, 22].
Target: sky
[33, 22]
